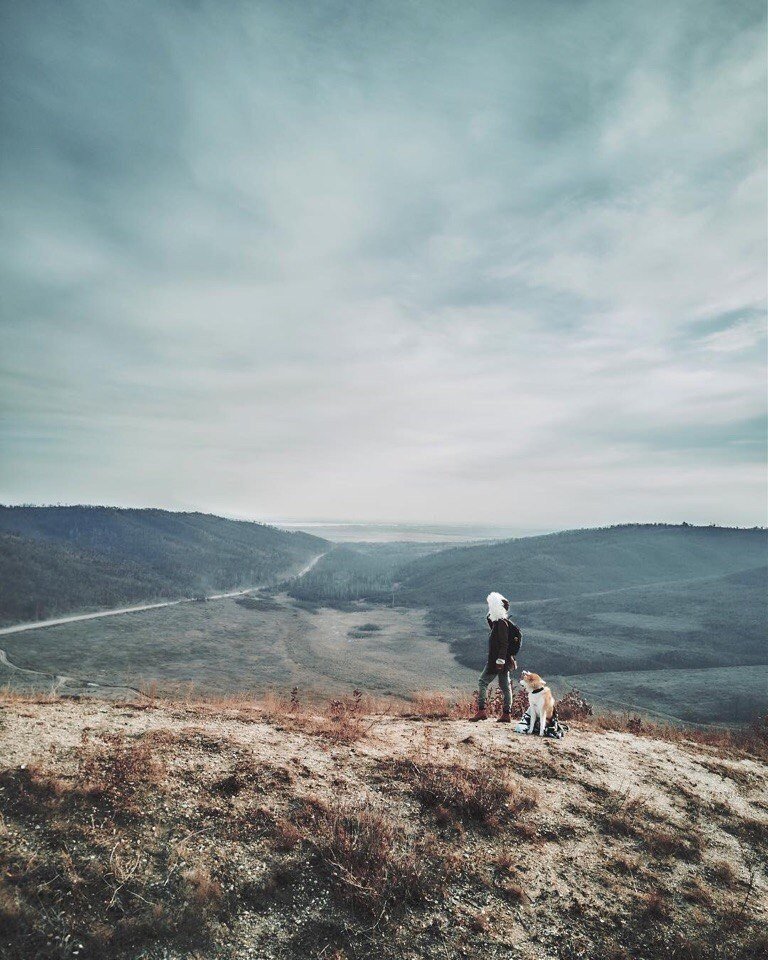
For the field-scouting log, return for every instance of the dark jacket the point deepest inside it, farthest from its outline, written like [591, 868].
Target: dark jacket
[503, 644]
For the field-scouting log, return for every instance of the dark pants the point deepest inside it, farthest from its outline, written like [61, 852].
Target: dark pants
[506, 687]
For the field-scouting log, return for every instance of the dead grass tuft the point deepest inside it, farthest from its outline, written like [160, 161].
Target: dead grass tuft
[121, 775]
[370, 860]
[655, 906]
[490, 797]
[724, 873]
[671, 843]
[750, 740]
[203, 891]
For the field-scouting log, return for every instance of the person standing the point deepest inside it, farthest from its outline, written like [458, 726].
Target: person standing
[503, 644]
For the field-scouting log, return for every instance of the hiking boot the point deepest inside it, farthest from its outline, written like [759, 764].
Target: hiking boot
[505, 718]
[480, 715]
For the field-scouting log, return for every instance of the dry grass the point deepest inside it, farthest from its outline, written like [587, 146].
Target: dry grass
[370, 859]
[724, 873]
[672, 843]
[739, 775]
[751, 740]
[13, 696]
[121, 775]
[631, 816]
[656, 906]
[485, 796]
[698, 893]
[188, 837]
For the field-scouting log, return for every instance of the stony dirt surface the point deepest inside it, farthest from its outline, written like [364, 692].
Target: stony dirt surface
[617, 846]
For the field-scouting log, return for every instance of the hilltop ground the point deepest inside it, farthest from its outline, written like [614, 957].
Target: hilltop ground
[233, 830]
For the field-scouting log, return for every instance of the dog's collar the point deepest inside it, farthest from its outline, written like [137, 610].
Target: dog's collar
[539, 690]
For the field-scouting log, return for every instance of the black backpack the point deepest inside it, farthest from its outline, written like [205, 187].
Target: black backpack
[515, 638]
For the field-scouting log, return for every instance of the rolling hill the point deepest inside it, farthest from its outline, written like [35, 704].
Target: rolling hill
[582, 561]
[58, 559]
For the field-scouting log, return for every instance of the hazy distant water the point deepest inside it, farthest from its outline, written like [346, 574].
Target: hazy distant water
[416, 533]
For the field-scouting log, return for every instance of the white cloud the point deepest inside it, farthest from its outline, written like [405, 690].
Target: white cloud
[414, 266]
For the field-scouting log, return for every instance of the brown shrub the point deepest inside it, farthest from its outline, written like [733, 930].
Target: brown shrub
[574, 706]
[723, 872]
[369, 859]
[656, 906]
[121, 775]
[486, 796]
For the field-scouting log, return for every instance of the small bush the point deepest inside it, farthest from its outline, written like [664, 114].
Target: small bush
[656, 906]
[369, 858]
[489, 797]
[573, 706]
[121, 775]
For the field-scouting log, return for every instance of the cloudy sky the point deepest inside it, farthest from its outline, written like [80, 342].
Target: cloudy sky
[407, 261]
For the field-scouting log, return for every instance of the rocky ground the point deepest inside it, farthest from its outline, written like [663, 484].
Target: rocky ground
[225, 830]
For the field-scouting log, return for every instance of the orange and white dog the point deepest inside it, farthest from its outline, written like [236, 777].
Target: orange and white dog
[541, 703]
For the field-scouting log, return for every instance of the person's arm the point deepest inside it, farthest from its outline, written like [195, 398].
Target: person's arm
[501, 644]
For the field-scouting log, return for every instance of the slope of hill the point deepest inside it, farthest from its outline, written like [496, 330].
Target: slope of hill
[177, 830]
[352, 571]
[170, 554]
[42, 579]
[711, 622]
[582, 561]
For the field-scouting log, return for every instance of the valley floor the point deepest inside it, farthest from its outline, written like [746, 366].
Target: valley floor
[226, 830]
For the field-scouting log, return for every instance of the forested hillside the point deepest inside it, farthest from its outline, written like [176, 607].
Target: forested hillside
[59, 559]
[357, 571]
[39, 580]
[580, 561]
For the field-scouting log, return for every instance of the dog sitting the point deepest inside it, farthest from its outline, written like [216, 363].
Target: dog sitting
[541, 703]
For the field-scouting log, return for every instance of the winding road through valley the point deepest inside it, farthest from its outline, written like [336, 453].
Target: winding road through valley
[39, 624]
[60, 680]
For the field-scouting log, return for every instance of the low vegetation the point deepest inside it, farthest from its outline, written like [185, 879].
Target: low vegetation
[351, 828]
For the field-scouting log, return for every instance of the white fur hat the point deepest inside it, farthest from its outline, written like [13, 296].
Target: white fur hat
[498, 606]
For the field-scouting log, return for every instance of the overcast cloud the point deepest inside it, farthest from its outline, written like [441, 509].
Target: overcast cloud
[410, 261]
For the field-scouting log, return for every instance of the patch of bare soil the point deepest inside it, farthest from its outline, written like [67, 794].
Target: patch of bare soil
[229, 830]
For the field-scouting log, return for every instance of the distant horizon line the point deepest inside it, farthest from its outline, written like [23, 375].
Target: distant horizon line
[283, 523]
